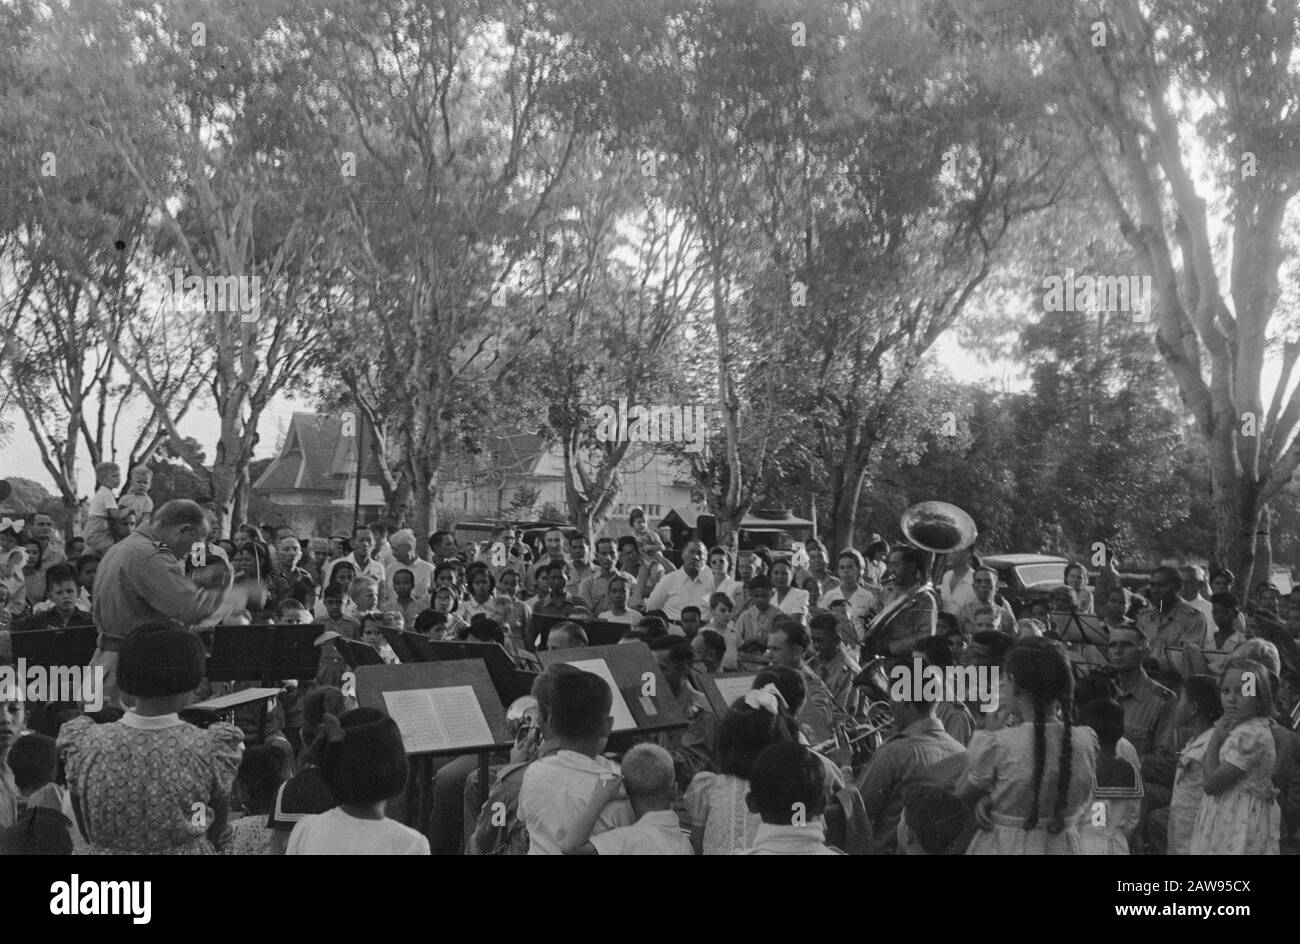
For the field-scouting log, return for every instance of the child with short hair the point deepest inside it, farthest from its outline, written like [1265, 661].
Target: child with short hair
[1105, 827]
[372, 634]
[104, 526]
[137, 500]
[618, 611]
[787, 789]
[690, 621]
[557, 788]
[61, 607]
[34, 762]
[721, 608]
[648, 776]
[364, 766]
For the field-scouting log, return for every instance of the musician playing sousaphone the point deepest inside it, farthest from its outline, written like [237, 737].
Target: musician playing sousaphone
[908, 612]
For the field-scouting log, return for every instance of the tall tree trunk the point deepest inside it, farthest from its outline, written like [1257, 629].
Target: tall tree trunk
[846, 491]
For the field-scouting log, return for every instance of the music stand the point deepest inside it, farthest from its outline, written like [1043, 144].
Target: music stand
[1191, 658]
[357, 654]
[722, 690]
[1081, 628]
[438, 718]
[599, 632]
[642, 696]
[510, 683]
[264, 654]
[72, 645]
[397, 640]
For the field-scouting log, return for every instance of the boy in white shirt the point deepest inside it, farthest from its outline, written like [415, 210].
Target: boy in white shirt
[557, 788]
[138, 500]
[618, 611]
[104, 519]
[648, 777]
[787, 789]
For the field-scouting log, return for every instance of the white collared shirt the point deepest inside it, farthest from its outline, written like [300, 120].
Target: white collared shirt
[151, 722]
[809, 839]
[956, 595]
[795, 603]
[556, 790]
[655, 833]
[676, 590]
[861, 604]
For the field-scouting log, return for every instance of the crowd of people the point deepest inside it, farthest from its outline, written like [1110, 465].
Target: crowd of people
[1130, 720]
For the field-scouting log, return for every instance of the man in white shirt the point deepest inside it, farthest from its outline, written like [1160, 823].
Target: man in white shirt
[362, 544]
[557, 788]
[1193, 582]
[862, 602]
[402, 544]
[958, 583]
[984, 584]
[686, 587]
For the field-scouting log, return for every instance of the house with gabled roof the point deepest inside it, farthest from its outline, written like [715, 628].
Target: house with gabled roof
[314, 478]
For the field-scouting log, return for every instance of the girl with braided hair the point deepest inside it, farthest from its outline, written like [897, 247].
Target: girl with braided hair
[1031, 782]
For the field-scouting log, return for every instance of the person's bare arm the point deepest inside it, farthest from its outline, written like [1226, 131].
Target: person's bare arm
[606, 790]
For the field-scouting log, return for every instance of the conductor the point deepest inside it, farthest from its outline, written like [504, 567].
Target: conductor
[142, 579]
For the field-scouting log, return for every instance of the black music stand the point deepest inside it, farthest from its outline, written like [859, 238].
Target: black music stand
[357, 654]
[376, 680]
[72, 645]
[1080, 628]
[397, 641]
[264, 654]
[599, 632]
[638, 683]
[722, 690]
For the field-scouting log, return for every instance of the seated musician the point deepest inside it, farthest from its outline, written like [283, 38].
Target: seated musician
[919, 741]
[648, 779]
[709, 649]
[787, 645]
[1171, 620]
[831, 662]
[556, 788]
[957, 717]
[692, 749]
[566, 636]
[1149, 707]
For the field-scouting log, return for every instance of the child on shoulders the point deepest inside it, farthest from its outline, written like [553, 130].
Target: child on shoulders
[648, 775]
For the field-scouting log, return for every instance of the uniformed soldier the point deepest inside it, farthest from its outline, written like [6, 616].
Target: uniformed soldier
[692, 749]
[1171, 621]
[1149, 707]
[832, 664]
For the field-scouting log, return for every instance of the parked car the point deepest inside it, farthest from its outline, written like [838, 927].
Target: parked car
[1023, 578]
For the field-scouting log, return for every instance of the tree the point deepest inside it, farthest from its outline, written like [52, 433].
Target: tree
[203, 121]
[454, 120]
[1151, 90]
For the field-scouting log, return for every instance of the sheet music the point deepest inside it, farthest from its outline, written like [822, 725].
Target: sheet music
[731, 687]
[439, 719]
[623, 720]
